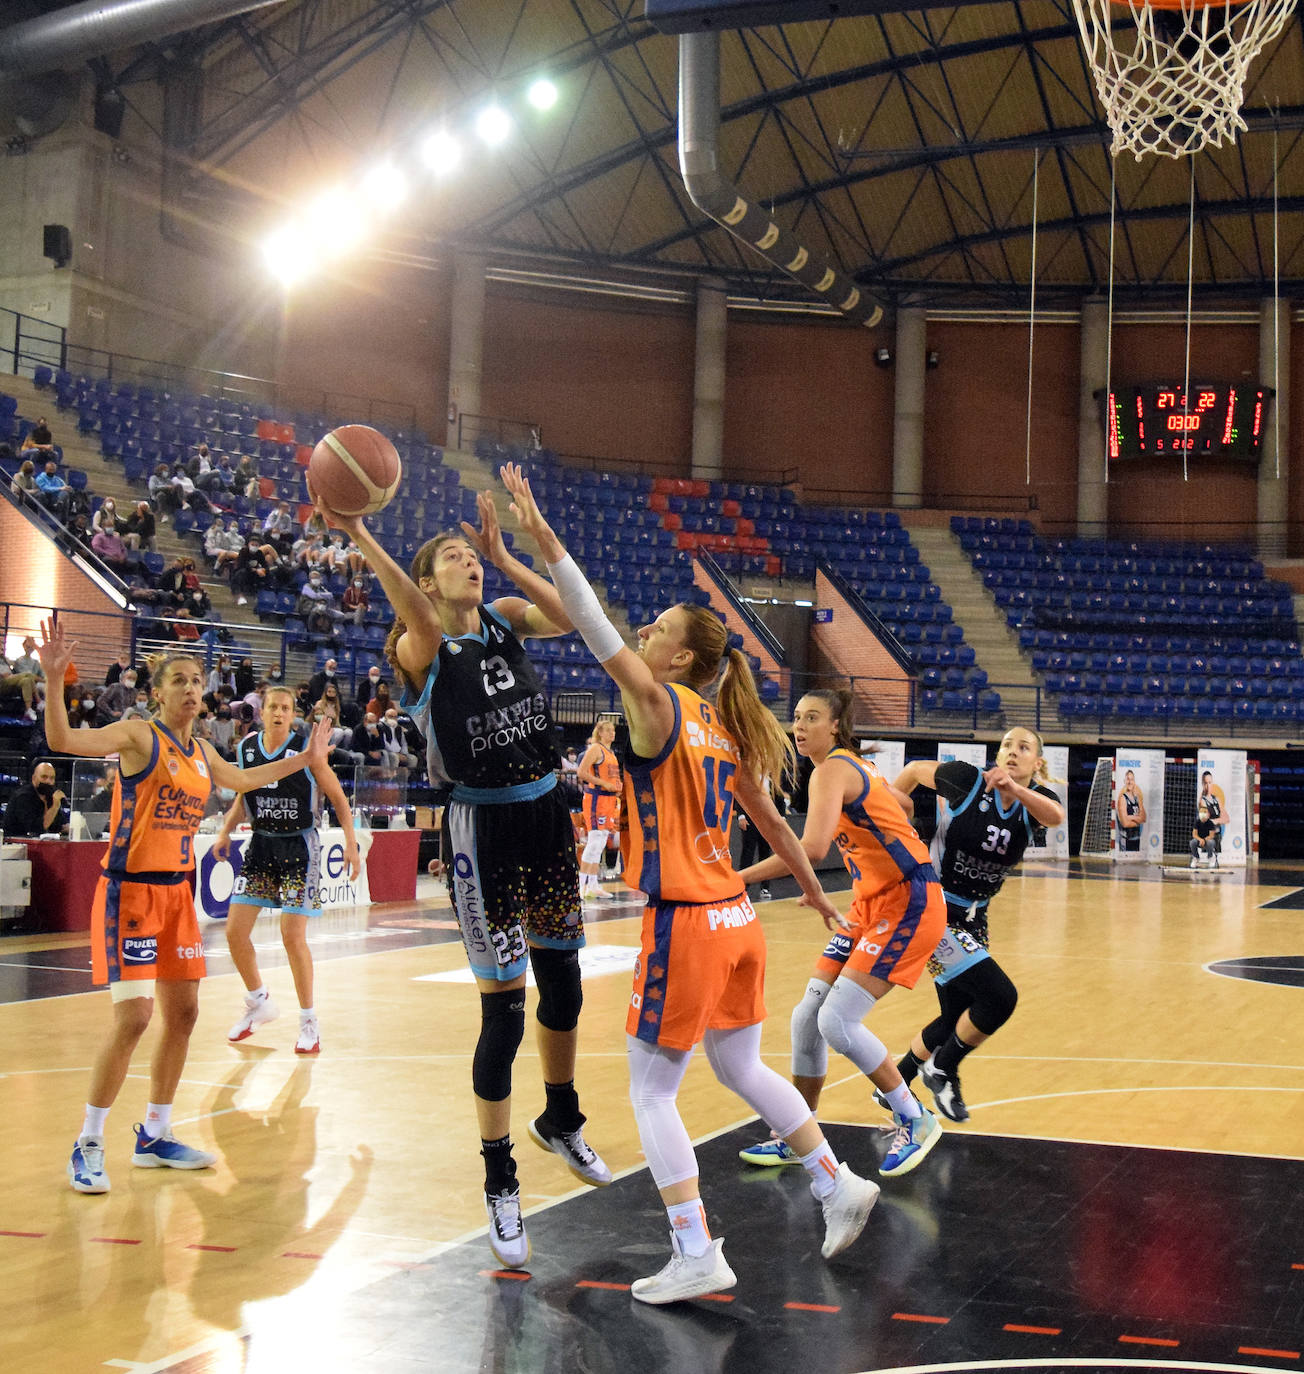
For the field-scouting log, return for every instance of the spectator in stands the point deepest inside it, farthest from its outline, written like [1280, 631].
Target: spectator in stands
[356, 601]
[140, 528]
[165, 497]
[318, 682]
[39, 436]
[278, 528]
[368, 743]
[108, 546]
[77, 530]
[198, 604]
[27, 661]
[123, 664]
[314, 524]
[81, 708]
[116, 697]
[53, 489]
[306, 552]
[280, 571]
[180, 626]
[342, 754]
[222, 674]
[222, 734]
[139, 709]
[246, 476]
[23, 484]
[18, 684]
[191, 498]
[380, 701]
[317, 607]
[222, 545]
[172, 580]
[106, 517]
[245, 679]
[34, 809]
[249, 574]
[332, 701]
[204, 473]
[397, 753]
[367, 690]
[336, 556]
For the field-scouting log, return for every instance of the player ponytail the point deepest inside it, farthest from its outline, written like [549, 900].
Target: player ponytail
[763, 746]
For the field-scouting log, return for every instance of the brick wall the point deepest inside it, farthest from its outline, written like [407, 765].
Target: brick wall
[35, 574]
[843, 647]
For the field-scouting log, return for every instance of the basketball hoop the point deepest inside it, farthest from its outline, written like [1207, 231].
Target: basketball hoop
[1172, 81]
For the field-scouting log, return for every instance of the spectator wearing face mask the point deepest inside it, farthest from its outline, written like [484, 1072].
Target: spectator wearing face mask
[81, 711]
[115, 698]
[245, 679]
[250, 571]
[317, 607]
[222, 674]
[222, 732]
[140, 528]
[317, 682]
[395, 741]
[368, 743]
[356, 601]
[367, 691]
[34, 809]
[139, 709]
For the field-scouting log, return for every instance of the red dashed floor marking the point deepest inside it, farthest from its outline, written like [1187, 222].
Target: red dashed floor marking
[220, 1249]
[113, 1240]
[810, 1307]
[1260, 1350]
[1149, 1340]
[919, 1317]
[26, 1235]
[520, 1275]
[1033, 1330]
[593, 1283]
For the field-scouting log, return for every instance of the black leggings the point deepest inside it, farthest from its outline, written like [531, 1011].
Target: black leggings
[984, 991]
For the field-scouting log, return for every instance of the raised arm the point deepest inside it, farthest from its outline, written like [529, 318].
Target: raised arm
[648, 708]
[920, 773]
[423, 631]
[1043, 809]
[540, 613]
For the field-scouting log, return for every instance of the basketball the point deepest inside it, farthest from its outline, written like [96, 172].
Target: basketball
[355, 470]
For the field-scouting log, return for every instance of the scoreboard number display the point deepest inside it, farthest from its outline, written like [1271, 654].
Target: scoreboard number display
[1218, 420]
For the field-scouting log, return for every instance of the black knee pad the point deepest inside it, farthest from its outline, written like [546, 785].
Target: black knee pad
[557, 975]
[994, 996]
[502, 1028]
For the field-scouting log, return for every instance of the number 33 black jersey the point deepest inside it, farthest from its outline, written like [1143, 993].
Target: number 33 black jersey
[978, 838]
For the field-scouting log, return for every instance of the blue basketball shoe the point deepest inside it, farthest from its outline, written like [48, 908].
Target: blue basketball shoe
[167, 1152]
[86, 1167]
[769, 1153]
[911, 1142]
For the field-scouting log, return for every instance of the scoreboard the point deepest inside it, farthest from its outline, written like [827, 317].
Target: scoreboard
[1212, 420]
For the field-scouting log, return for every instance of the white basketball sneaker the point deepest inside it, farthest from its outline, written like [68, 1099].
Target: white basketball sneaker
[258, 1012]
[686, 1276]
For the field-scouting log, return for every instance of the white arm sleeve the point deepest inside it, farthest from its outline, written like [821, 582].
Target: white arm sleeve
[585, 611]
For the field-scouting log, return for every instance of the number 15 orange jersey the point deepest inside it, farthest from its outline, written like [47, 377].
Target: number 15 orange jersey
[677, 809]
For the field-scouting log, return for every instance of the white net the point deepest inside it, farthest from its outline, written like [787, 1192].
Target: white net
[1172, 80]
[1098, 823]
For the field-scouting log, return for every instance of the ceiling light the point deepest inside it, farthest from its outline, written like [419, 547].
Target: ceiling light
[385, 186]
[336, 222]
[542, 94]
[441, 152]
[287, 256]
[493, 124]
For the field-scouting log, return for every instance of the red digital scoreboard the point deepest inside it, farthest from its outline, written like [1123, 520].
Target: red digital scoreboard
[1220, 420]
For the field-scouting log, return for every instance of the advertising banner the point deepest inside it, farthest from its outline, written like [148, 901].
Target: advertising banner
[1137, 834]
[215, 879]
[887, 755]
[1057, 836]
[1220, 785]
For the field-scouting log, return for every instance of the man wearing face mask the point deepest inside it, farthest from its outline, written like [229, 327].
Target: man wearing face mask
[317, 606]
[366, 691]
[35, 809]
[115, 699]
[319, 681]
[139, 709]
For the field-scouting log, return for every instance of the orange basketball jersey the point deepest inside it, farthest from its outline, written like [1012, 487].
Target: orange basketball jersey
[678, 806]
[156, 812]
[877, 843]
[607, 768]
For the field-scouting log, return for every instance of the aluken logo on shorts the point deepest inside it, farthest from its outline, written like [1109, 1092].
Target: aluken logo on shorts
[138, 950]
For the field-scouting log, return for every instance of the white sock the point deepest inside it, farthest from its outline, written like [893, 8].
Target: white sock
[307, 1014]
[259, 994]
[93, 1122]
[158, 1119]
[688, 1222]
[903, 1102]
[822, 1166]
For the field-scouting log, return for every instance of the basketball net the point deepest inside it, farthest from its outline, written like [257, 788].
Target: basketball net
[1173, 79]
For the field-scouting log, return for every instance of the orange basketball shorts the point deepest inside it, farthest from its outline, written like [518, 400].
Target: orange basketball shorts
[699, 968]
[601, 811]
[144, 931]
[892, 933]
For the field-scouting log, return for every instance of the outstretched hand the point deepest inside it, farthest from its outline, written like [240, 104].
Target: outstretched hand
[997, 779]
[526, 510]
[55, 652]
[319, 743]
[488, 540]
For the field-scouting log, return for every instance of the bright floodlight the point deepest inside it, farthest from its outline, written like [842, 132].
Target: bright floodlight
[493, 124]
[542, 94]
[441, 152]
[384, 186]
[288, 257]
[337, 222]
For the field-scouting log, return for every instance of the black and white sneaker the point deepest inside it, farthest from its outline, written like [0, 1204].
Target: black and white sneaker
[507, 1238]
[578, 1155]
[946, 1092]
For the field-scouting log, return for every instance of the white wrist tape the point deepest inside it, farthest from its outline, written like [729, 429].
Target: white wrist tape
[584, 609]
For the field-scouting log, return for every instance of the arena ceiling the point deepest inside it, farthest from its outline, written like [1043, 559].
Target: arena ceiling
[916, 150]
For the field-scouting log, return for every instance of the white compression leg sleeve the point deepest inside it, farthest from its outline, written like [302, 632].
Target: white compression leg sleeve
[735, 1056]
[654, 1078]
[594, 846]
[810, 1053]
[841, 1024]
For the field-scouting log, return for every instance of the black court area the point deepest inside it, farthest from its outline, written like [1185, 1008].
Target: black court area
[996, 1253]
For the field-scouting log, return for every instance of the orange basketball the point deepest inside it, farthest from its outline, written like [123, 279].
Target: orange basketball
[355, 470]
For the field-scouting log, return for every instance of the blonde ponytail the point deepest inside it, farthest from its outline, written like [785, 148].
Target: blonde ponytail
[763, 744]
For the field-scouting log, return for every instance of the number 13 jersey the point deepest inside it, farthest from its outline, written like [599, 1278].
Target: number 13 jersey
[483, 711]
[677, 809]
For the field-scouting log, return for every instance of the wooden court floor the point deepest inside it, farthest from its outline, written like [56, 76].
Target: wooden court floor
[1155, 1066]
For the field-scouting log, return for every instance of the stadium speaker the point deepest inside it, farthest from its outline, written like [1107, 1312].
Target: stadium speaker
[58, 244]
[110, 106]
